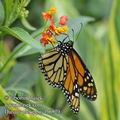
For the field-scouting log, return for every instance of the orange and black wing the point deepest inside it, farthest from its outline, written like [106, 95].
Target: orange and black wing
[78, 81]
[70, 87]
[85, 79]
[69, 73]
[54, 67]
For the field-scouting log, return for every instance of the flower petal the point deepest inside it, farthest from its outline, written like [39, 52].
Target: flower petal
[63, 20]
[53, 10]
[46, 15]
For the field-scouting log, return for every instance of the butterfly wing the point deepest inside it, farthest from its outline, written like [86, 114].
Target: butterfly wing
[78, 81]
[54, 67]
[85, 80]
[70, 74]
[70, 87]
[57, 70]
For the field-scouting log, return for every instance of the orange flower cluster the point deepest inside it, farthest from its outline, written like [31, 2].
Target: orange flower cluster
[48, 35]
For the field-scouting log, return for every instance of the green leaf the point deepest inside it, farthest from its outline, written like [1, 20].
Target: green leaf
[4, 52]
[114, 59]
[1, 13]
[18, 91]
[77, 25]
[23, 36]
[22, 116]
[26, 38]
[26, 50]
[11, 57]
[82, 19]
[20, 79]
[11, 13]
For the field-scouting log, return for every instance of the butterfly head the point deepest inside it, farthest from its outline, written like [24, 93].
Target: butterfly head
[65, 47]
[69, 43]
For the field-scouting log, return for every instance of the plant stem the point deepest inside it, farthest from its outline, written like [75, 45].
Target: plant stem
[12, 56]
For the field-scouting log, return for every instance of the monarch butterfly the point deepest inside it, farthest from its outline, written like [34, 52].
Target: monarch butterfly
[63, 68]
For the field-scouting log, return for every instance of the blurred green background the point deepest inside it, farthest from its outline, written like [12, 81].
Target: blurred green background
[98, 44]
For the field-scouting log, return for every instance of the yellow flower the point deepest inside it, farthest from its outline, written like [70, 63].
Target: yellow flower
[59, 30]
[48, 15]
[52, 10]
[51, 40]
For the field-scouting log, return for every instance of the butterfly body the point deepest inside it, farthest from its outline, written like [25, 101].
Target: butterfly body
[63, 68]
[65, 48]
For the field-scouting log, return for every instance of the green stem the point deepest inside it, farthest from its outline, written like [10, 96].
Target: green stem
[35, 36]
[12, 56]
[114, 61]
[41, 30]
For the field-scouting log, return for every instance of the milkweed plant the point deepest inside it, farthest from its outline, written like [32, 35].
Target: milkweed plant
[12, 11]
[18, 79]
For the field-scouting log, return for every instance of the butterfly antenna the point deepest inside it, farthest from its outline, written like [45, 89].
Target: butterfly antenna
[65, 39]
[81, 25]
[73, 34]
[67, 36]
